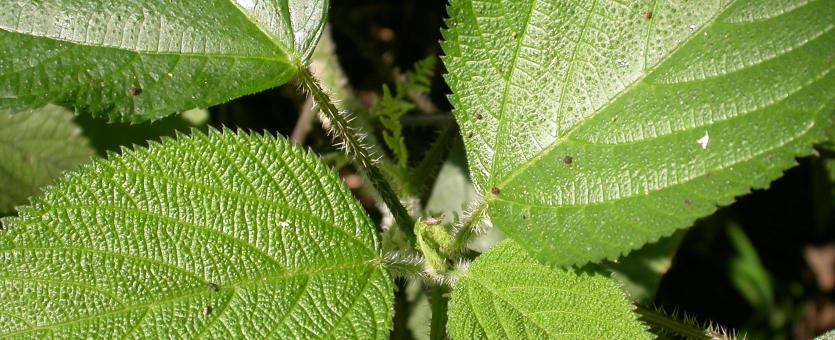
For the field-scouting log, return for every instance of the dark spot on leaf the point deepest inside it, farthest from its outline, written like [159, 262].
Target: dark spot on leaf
[495, 191]
[687, 202]
[524, 216]
[134, 91]
[478, 116]
[568, 160]
[513, 35]
[648, 15]
[470, 135]
[213, 286]
[207, 310]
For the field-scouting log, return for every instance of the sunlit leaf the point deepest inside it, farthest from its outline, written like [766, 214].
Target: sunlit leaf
[595, 127]
[219, 236]
[142, 60]
[508, 295]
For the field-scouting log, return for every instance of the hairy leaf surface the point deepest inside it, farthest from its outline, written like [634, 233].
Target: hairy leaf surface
[35, 147]
[508, 295]
[593, 127]
[220, 236]
[140, 60]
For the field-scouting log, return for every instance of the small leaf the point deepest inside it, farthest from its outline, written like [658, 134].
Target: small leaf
[389, 109]
[610, 128]
[35, 147]
[142, 60]
[747, 272]
[508, 295]
[219, 236]
[419, 80]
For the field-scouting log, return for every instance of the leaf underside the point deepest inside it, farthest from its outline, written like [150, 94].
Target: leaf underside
[592, 127]
[509, 295]
[219, 236]
[35, 147]
[142, 60]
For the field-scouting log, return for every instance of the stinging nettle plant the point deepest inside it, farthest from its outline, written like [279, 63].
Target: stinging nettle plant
[590, 130]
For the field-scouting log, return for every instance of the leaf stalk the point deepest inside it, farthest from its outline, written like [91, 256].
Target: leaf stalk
[341, 129]
[661, 321]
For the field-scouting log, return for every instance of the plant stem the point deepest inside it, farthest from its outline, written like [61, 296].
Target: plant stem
[438, 303]
[465, 230]
[354, 147]
[661, 321]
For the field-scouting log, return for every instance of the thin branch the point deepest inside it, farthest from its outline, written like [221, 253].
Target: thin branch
[662, 322]
[304, 123]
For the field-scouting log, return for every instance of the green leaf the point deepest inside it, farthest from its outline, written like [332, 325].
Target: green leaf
[142, 60]
[829, 335]
[601, 127]
[419, 80]
[508, 295]
[389, 109]
[35, 147]
[218, 236]
[747, 272]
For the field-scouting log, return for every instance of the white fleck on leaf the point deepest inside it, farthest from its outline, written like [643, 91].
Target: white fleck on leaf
[704, 140]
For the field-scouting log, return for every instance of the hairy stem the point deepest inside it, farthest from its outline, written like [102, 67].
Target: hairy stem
[663, 322]
[464, 231]
[352, 142]
[438, 302]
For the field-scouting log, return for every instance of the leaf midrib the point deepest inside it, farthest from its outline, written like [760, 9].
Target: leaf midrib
[231, 286]
[520, 39]
[670, 184]
[288, 57]
[244, 197]
[524, 314]
[158, 53]
[635, 83]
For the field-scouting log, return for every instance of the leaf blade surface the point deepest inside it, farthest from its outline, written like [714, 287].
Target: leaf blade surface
[507, 294]
[226, 235]
[35, 147]
[593, 128]
[136, 61]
